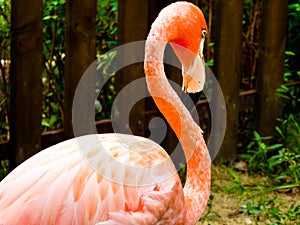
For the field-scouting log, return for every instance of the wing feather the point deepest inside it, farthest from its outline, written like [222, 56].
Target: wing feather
[57, 186]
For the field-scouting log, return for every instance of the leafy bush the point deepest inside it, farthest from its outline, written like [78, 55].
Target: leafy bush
[106, 36]
[54, 57]
[294, 37]
[53, 54]
[279, 162]
[106, 30]
[259, 153]
[290, 132]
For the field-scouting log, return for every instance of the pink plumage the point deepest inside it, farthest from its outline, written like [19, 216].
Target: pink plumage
[58, 186]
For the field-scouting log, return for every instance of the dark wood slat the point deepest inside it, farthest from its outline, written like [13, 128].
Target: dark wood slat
[80, 54]
[271, 65]
[133, 26]
[26, 85]
[228, 69]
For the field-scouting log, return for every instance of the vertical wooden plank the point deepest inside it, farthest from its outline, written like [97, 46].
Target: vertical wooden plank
[80, 52]
[228, 67]
[133, 26]
[271, 64]
[26, 86]
[155, 7]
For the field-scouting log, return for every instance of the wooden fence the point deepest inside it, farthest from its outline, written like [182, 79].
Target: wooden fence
[135, 17]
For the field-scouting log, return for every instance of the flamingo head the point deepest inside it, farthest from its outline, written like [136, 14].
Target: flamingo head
[183, 25]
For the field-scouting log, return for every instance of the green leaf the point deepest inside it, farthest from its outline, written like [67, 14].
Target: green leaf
[290, 53]
[254, 211]
[54, 106]
[233, 174]
[48, 17]
[113, 31]
[283, 96]
[45, 123]
[283, 88]
[210, 62]
[277, 217]
[281, 177]
[231, 188]
[50, 94]
[275, 146]
[245, 156]
[111, 42]
[256, 135]
[295, 6]
[279, 131]
[52, 120]
[212, 216]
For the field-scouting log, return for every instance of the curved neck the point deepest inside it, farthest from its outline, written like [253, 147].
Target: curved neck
[167, 100]
[197, 185]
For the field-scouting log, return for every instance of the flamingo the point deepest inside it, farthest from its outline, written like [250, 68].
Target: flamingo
[59, 186]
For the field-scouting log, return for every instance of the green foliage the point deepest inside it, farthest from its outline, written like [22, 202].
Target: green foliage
[290, 74]
[106, 30]
[291, 100]
[4, 67]
[290, 132]
[258, 154]
[53, 54]
[106, 36]
[107, 93]
[278, 162]
[5, 28]
[237, 183]
[272, 210]
[259, 201]
[209, 215]
[54, 19]
[182, 173]
[294, 37]
[3, 168]
[210, 63]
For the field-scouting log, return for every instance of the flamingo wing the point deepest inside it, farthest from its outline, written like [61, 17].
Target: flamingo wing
[77, 182]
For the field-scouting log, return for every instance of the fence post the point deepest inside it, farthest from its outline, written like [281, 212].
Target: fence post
[133, 26]
[271, 64]
[26, 85]
[80, 52]
[228, 68]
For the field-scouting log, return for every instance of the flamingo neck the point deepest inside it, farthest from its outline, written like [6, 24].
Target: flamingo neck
[196, 189]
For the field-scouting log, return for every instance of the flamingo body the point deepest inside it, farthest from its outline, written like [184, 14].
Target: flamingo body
[57, 186]
[117, 178]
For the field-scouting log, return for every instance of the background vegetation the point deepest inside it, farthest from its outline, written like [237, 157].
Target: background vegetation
[54, 57]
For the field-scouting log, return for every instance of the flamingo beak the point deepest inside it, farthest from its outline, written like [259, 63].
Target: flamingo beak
[194, 75]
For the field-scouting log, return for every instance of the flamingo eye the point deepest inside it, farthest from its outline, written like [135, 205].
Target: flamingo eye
[204, 32]
[202, 44]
